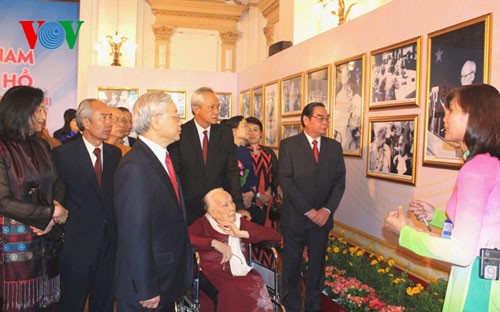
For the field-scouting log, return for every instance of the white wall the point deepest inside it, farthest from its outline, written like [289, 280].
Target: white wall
[367, 200]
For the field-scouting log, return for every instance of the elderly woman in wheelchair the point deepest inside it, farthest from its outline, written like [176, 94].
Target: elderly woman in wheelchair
[221, 237]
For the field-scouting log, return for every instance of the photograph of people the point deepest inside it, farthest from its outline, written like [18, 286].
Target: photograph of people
[394, 74]
[348, 106]
[292, 95]
[456, 60]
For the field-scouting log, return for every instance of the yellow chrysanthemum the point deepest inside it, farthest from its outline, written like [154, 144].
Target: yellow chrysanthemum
[336, 249]
[374, 262]
[381, 271]
[360, 253]
[391, 262]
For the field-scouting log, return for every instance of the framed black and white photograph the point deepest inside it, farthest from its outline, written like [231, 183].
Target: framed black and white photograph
[395, 75]
[272, 116]
[225, 101]
[457, 56]
[118, 97]
[179, 98]
[318, 85]
[290, 128]
[392, 148]
[245, 109]
[291, 95]
[348, 105]
[256, 105]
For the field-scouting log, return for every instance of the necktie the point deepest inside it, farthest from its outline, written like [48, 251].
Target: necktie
[315, 151]
[171, 174]
[98, 166]
[205, 146]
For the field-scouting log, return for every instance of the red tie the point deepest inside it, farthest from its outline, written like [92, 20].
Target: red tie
[315, 150]
[171, 174]
[98, 166]
[205, 147]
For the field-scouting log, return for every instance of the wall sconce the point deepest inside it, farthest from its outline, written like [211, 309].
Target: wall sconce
[334, 7]
[116, 42]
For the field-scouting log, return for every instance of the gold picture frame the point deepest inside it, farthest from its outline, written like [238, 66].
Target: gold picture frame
[290, 128]
[393, 157]
[256, 106]
[179, 97]
[245, 103]
[226, 104]
[457, 55]
[271, 113]
[348, 104]
[395, 75]
[317, 88]
[292, 95]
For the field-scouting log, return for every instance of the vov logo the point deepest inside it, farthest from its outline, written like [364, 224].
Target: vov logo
[51, 35]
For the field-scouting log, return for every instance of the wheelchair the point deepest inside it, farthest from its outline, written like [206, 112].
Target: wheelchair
[268, 269]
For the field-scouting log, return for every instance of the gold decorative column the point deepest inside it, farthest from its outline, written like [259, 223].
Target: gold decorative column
[228, 45]
[271, 11]
[269, 33]
[162, 45]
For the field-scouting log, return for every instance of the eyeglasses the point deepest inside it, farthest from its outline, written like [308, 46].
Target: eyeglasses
[322, 118]
[467, 75]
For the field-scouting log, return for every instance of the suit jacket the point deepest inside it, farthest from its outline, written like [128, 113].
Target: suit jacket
[308, 185]
[90, 208]
[196, 178]
[131, 141]
[154, 254]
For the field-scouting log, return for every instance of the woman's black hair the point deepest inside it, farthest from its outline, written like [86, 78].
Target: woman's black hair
[482, 103]
[69, 115]
[17, 107]
[234, 122]
[254, 121]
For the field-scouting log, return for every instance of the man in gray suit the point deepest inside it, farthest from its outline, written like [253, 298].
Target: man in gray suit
[312, 176]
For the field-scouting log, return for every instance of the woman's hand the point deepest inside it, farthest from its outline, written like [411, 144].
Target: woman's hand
[40, 232]
[224, 249]
[60, 213]
[247, 199]
[264, 198]
[395, 220]
[231, 229]
[422, 209]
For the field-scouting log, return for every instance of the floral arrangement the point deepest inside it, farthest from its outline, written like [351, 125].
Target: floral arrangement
[362, 281]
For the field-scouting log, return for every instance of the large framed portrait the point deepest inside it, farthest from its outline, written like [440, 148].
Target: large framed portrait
[245, 103]
[457, 56]
[393, 142]
[225, 101]
[395, 75]
[257, 99]
[318, 85]
[118, 97]
[179, 98]
[291, 95]
[290, 128]
[348, 104]
[272, 116]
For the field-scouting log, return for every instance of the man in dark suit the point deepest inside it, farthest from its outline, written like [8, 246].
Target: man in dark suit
[312, 176]
[87, 167]
[127, 140]
[204, 158]
[154, 257]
